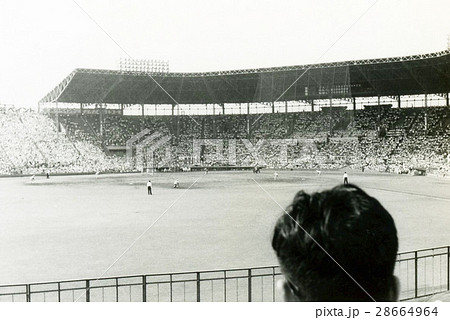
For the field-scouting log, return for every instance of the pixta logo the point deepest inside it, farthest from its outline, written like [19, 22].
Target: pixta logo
[153, 150]
[254, 150]
[145, 145]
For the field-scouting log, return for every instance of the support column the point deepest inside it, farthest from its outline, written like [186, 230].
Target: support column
[58, 126]
[173, 109]
[214, 120]
[312, 105]
[447, 100]
[331, 116]
[273, 107]
[101, 120]
[248, 120]
[426, 113]
[378, 115]
[399, 102]
[178, 124]
[142, 117]
[285, 107]
[354, 104]
[121, 109]
[223, 107]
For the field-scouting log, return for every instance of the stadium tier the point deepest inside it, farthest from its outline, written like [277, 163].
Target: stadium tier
[385, 139]
[93, 136]
[34, 145]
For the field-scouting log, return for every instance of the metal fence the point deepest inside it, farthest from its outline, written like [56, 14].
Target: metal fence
[421, 273]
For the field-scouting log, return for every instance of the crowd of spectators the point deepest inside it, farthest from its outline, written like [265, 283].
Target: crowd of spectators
[413, 138]
[31, 144]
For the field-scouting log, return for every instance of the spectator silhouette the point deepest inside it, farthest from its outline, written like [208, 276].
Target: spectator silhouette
[337, 245]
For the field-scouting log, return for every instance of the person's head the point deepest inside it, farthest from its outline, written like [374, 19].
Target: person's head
[332, 243]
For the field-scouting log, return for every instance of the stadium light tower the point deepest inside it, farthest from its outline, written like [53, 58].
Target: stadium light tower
[144, 65]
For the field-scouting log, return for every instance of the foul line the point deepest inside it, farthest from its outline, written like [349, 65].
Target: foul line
[318, 244]
[410, 193]
[137, 239]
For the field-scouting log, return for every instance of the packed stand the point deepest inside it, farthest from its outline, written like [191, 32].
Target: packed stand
[31, 144]
[416, 137]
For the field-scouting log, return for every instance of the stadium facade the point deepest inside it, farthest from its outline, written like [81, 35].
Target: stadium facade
[91, 108]
[388, 77]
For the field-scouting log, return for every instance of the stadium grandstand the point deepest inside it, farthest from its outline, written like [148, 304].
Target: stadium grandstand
[387, 114]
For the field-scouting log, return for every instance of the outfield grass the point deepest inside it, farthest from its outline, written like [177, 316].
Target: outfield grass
[71, 227]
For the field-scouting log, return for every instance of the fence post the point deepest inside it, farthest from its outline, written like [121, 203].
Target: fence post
[415, 275]
[448, 268]
[225, 286]
[144, 289]
[117, 290]
[28, 294]
[249, 285]
[171, 294]
[59, 291]
[88, 297]
[198, 286]
[273, 284]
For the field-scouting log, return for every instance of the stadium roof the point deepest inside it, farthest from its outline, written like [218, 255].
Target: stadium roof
[419, 74]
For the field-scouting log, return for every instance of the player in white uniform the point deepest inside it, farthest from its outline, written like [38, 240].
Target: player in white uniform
[345, 178]
[149, 188]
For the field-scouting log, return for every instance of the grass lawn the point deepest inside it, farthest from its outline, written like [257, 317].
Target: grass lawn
[71, 227]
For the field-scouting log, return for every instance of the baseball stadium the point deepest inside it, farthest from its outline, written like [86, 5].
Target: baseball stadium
[384, 121]
[138, 183]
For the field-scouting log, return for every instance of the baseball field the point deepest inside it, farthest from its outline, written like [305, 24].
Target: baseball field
[88, 226]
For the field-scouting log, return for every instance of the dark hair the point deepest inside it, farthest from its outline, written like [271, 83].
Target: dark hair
[354, 229]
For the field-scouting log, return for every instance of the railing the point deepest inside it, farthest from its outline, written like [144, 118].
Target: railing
[421, 273]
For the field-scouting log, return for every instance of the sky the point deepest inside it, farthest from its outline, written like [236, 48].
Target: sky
[41, 42]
